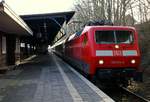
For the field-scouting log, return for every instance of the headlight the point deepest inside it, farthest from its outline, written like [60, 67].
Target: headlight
[133, 61]
[117, 46]
[101, 62]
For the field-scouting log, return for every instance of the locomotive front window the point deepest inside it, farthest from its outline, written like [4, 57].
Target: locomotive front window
[125, 37]
[113, 37]
[105, 37]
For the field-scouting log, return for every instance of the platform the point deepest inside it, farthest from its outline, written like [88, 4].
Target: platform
[48, 79]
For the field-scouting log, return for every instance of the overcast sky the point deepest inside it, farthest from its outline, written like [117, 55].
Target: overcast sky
[22, 7]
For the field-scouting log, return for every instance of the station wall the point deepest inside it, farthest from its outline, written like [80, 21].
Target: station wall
[9, 50]
[2, 50]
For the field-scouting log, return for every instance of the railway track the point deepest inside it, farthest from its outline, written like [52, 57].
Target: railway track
[121, 94]
[132, 97]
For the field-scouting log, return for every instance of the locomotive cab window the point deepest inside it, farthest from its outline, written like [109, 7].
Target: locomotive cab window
[114, 37]
[105, 37]
[125, 37]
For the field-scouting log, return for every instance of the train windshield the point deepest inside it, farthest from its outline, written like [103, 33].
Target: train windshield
[114, 37]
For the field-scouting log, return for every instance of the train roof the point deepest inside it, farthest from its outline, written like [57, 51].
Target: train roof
[108, 27]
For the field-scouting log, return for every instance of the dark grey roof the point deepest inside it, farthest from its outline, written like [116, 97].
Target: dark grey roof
[37, 22]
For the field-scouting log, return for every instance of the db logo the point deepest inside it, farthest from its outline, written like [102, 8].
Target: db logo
[117, 53]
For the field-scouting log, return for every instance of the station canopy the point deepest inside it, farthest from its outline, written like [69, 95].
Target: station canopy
[46, 26]
[11, 23]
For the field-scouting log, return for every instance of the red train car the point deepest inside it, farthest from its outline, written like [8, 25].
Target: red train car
[108, 52]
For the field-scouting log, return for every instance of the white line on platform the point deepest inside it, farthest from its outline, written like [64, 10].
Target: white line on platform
[75, 95]
[94, 88]
[103, 96]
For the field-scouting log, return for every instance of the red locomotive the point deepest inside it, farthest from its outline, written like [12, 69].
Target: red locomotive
[108, 52]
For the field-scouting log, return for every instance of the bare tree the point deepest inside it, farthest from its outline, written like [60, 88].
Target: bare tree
[121, 12]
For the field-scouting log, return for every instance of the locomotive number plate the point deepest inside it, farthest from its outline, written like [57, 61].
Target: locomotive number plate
[117, 53]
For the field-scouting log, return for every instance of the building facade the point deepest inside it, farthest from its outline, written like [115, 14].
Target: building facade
[12, 28]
